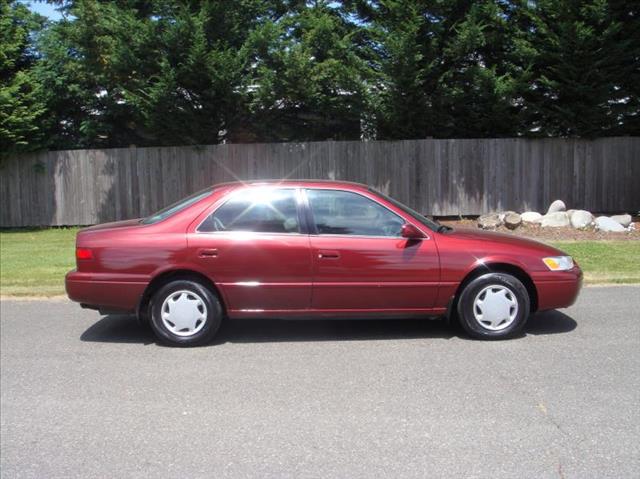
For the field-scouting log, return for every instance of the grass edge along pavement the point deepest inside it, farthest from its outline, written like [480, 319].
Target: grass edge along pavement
[33, 262]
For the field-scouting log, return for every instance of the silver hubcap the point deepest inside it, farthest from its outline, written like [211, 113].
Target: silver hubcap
[184, 313]
[495, 307]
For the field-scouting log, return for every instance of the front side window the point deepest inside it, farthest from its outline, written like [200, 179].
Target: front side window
[346, 213]
[411, 212]
[257, 210]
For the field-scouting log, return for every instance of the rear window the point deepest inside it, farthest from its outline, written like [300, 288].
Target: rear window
[178, 206]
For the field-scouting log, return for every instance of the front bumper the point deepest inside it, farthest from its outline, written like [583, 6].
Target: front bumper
[557, 289]
[104, 291]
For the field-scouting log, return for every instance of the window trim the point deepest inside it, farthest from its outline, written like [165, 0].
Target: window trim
[313, 230]
[302, 225]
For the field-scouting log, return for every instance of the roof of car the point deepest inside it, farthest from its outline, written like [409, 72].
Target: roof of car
[294, 183]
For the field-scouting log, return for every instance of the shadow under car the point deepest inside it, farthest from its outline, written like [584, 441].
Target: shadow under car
[126, 329]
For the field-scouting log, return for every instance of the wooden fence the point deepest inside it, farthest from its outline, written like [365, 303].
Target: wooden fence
[438, 177]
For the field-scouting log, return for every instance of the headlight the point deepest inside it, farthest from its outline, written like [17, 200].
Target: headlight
[559, 263]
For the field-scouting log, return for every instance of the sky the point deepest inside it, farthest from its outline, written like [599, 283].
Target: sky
[44, 9]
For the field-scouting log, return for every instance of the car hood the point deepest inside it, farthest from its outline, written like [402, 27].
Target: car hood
[502, 239]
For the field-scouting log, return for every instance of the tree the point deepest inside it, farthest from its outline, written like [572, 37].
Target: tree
[21, 104]
[149, 73]
[586, 78]
[173, 72]
[166, 72]
[446, 69]
[308, 81]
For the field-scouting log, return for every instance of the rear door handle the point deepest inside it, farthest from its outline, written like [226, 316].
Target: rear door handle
[328, 254]
[208, 253]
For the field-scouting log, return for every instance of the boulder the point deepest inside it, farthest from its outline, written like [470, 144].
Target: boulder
[556, 206]
[512, 220]
[555, 220]
[624, 220]
[581, 219]
[504, 214]
[489, 222]
[531, 217]
[604, 223]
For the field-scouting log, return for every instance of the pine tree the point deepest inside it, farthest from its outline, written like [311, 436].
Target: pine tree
[166, 72]
[149, 73]
[585, 74]
[308, 80]
[21, 103]
[446, 69]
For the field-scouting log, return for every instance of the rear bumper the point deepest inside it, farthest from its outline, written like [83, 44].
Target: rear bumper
[104, 291]
[558, 289]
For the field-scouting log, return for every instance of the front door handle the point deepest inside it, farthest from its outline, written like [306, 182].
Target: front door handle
[208, 253]
[328, 254]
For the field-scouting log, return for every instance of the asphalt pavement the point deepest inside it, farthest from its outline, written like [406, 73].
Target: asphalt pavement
[90, 397]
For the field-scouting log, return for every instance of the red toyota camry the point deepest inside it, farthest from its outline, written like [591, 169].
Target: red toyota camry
[311, 249]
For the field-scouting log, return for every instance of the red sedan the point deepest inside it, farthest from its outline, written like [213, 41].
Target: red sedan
[311, 249]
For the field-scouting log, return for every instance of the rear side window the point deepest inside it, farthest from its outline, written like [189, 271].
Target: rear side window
[346, 213]
[260, 210]
[174, 208]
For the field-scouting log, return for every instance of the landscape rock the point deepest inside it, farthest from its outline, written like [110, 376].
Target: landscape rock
[503, 214]
[512, 220]
[604, 223]
[556, 206]
[489, 222]
[531, 217]
[624, 220]
[581, 219]
[555, 220]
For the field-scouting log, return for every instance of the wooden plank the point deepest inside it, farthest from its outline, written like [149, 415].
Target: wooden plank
[439, 177]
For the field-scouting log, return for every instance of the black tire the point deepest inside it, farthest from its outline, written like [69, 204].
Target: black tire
[516, 291]
[214, 313]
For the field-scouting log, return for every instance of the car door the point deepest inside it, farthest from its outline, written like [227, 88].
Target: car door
[361, 262]
[254, 248]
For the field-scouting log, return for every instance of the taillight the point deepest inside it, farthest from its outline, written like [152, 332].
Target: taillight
[83, 254]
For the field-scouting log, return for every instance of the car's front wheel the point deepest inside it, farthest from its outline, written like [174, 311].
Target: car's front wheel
[494, 306]
[185, 313]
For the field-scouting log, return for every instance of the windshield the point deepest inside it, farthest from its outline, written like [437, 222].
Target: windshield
[174, 208]
[414, 214]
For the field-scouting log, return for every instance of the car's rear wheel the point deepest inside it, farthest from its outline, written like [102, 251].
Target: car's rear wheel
[494, 306]
[185, 313]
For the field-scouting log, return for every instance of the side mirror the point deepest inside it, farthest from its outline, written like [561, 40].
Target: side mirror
[411, 232]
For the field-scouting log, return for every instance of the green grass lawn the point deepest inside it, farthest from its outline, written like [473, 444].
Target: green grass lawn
[34, 262]
[614, 262]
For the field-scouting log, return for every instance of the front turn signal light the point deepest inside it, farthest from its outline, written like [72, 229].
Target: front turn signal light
[83, 254]
[559, 263]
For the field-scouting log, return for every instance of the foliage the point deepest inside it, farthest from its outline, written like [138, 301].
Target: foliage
[586, 73]
[447, 69]
[21, 103]
[143, 73]
[122, 72]
[308, 80]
